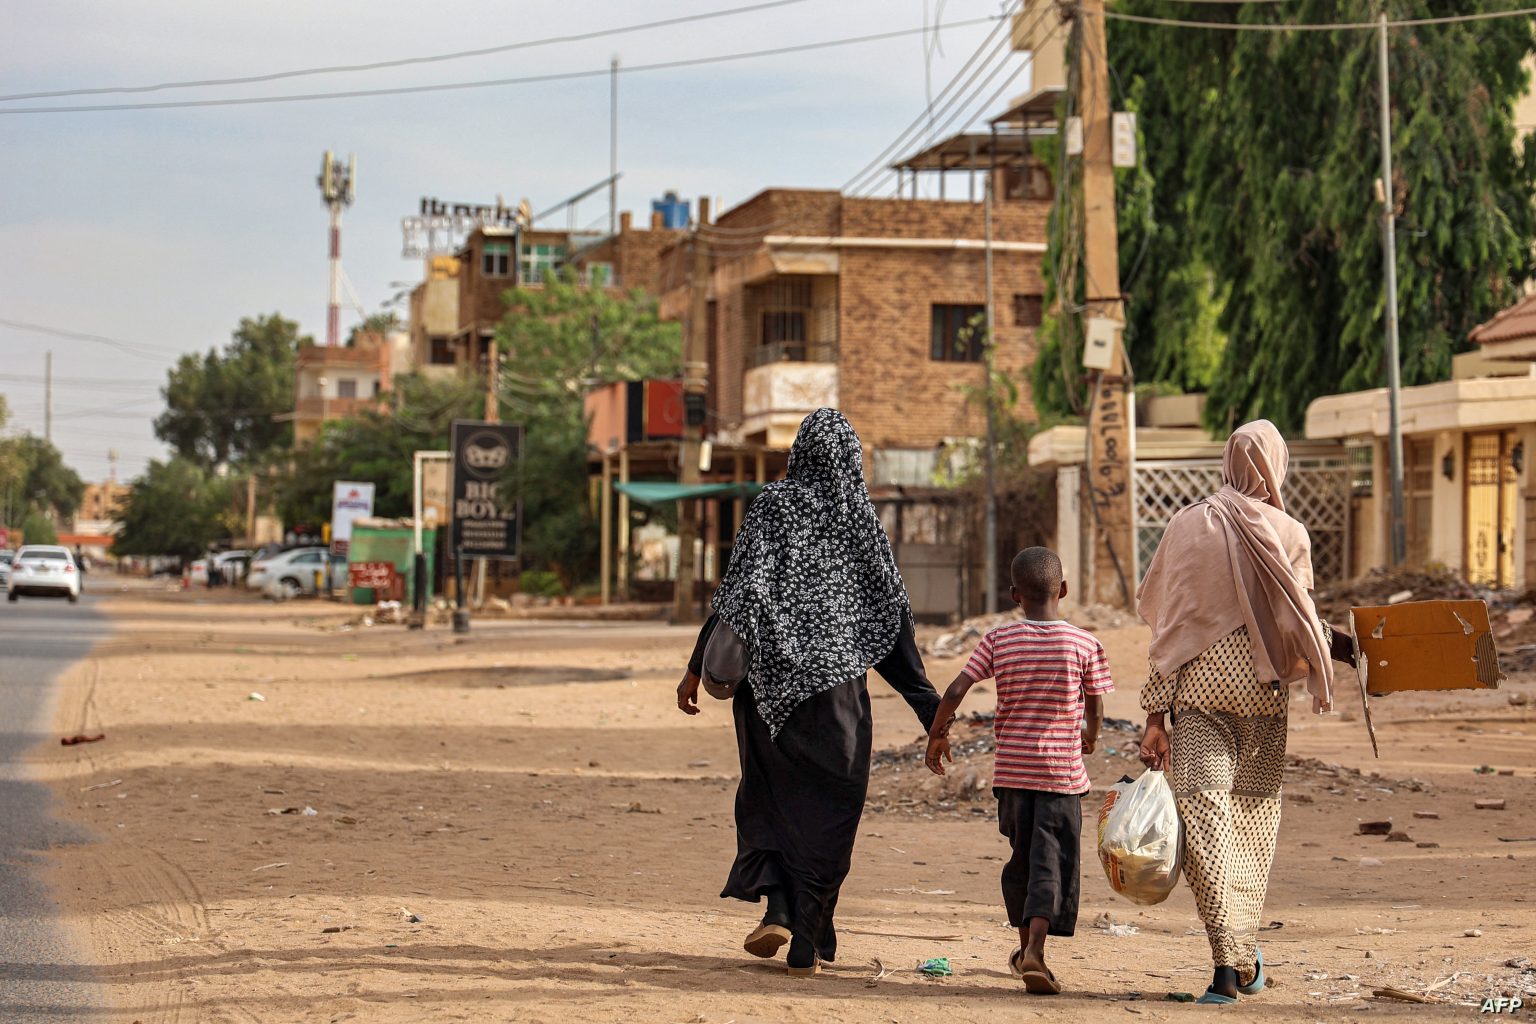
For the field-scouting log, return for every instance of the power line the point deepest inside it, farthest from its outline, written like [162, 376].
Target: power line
[559, 76]
[132, 348]
[876, 165]
[1373, 26]
[403, 61]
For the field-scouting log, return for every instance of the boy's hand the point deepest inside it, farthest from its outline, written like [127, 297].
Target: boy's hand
[1090, 741]
[938, 752]
[688, 694]
[1154, 744]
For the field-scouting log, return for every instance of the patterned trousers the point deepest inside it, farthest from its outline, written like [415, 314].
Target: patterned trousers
[1226, 776]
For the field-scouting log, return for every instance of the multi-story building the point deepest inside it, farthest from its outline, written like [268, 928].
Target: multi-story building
[434, 316]
[334, 383]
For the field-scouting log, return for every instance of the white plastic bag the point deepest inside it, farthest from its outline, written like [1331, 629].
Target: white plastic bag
[1141, 842]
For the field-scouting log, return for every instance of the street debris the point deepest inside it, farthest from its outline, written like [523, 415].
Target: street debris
[935, 967]
[102, 785]
[70, 741]
[274, 864]
[409, 917]
[1489, 804]
[255, 696]
[881, 971]
[1374, 828]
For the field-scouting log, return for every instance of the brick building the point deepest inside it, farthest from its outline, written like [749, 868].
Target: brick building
[338, 382]
[434, 316]
[874, 306]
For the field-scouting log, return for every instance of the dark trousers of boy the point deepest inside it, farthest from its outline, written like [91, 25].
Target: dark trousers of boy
[1041, 878]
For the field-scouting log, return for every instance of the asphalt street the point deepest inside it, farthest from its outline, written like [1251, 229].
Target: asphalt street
[41, 972]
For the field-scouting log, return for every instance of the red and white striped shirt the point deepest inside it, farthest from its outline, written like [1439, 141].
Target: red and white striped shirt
[1043, 669]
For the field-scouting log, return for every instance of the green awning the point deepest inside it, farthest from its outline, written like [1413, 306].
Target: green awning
[660, 492]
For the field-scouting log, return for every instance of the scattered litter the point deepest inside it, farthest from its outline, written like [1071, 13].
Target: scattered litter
[1427, 846]
[698, 764]
[1506, 771]
[1273, 926]
[935, 967]
[1399, 837]
[1517, 839]
[346, 819]
[1179, 997]
[335, 929]
[255, 696]
[881, 971]
[102, 785]
[274, 864]
[1483, 769]
[70, 741]
[638, 808]
[1374, 828]
[1427, 815]
[900, 935]
[409, 917]
[1473, 933]
[1375, 931]
[911, 891]
[1370, 862]
[1399, 598]
[1489, 804]
[310, 812]
[1109, 926]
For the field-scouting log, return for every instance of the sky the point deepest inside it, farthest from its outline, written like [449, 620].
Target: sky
[162, 228]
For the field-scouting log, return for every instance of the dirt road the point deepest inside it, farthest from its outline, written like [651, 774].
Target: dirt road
[518, 825]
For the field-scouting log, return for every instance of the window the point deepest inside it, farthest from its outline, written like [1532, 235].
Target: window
[378, 388]
[958, 332]
[442, 352]
[784, 327]
[1028, 310]
[600, 275]
[539, 261]
[346, 388]
[496, 259]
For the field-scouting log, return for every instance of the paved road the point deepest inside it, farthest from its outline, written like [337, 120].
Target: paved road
[40, 976]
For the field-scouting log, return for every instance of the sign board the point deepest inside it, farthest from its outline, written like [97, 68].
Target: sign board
[487, 515]
[441, 228]
[371, 575]
[1423, 645]
[434, 492]
[350, 501]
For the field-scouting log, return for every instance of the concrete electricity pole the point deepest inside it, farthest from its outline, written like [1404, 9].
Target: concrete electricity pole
[695, 391]
[1389, 270]
[1107, 508]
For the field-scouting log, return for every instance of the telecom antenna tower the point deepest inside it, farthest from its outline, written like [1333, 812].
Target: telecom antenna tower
[338, 187]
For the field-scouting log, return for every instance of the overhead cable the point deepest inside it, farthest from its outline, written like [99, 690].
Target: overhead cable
[558, 76]
[1233, 26]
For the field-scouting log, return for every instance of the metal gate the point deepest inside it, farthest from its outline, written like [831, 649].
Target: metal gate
[1317, 492]
[1492, 489]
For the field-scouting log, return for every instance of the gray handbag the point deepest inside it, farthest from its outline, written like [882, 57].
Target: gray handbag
[725, 662]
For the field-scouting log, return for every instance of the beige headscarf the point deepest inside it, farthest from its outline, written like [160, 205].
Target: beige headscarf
[1236, 559]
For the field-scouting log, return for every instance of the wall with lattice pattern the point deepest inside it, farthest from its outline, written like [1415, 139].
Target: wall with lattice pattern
[1317, 492]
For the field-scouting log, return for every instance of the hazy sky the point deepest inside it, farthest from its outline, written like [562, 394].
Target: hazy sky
[162, 228]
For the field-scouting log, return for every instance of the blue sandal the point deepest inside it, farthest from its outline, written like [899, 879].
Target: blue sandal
[1255, 986]
[1216, 999]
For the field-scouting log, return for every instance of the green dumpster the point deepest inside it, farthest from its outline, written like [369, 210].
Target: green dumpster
[376, 545]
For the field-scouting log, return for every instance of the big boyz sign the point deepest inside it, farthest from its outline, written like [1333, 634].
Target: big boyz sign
[487, 516]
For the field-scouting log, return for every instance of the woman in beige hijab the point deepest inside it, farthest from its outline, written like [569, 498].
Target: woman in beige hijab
[1228, 597]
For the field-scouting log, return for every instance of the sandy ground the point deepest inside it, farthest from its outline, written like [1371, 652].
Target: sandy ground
[518, 825]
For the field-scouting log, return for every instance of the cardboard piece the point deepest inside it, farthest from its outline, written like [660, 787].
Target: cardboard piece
[1425, 645]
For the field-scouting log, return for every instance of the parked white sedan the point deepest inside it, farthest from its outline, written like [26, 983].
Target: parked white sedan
[44, 571]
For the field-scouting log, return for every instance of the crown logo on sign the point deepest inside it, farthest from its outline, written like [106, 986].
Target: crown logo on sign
[485, 458]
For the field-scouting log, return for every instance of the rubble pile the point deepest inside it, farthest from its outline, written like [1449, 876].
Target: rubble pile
[961, 640]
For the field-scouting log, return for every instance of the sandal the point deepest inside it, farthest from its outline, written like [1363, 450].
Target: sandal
[805, 972]
[766, 940]
[1038, 983]
[1255, 986]
[1216, 999]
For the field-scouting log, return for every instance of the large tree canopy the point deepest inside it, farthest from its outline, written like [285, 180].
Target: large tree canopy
[1250, 235]
[224, 407]
[177, 508]
[558, 341]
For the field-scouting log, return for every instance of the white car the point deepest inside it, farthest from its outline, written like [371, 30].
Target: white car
[290, 573]
[227, 564]
[44, 570]
[6, 557]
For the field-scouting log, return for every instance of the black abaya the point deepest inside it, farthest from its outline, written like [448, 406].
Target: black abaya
[801, 796]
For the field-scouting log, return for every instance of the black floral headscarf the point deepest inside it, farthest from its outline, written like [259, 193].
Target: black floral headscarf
[812, 588]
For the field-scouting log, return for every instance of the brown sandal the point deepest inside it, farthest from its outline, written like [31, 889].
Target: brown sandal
[766, 940]
[805, 972]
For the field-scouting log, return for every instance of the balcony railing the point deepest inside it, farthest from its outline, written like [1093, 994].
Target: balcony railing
[793, 352]
[333, 408]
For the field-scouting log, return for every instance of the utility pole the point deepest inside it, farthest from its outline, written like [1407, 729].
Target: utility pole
[989, 533]
[695, 391]
[338, 187]
[613, 146]
[1389, 267]
[1107, 511]
[48, 397]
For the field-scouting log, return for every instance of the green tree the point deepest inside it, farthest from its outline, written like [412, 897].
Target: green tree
[178, 508]
[37, 529]
[47, 484]
[557, 342]
[376, 446]
[376, 323]
[1262, 266]
[224, 407]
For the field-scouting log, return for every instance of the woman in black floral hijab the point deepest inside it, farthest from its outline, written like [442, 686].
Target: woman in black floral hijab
[813, 591]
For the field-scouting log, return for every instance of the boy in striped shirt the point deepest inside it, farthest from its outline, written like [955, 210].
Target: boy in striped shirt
[1051, 680]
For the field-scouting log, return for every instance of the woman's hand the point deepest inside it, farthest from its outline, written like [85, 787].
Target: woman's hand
[1154, 744]
[688, 694]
